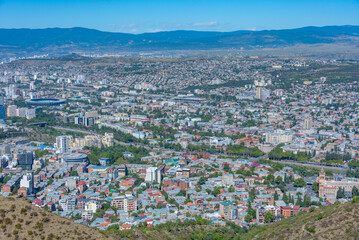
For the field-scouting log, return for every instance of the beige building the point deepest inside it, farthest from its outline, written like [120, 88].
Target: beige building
[108, 140]
[329, 188]
[94, 140]
[279, 136]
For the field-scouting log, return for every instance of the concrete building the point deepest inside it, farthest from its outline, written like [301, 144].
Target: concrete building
[153, 174]
[308, 123]
[227, 210]
[108, 140]
[329, 188]
[279, 136]
[63, 144]
[126, 203]
[227, 180]
[27, 181]
[26, 160]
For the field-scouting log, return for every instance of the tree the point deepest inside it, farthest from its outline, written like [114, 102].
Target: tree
[279, 179]
[355, 191]
[251, 211]
[231, 189]
[226, 167]
[300, 182]
[315, 187]
[216, 191]
[202, 181]
[270, 178]
[285, 198]
[340, 193]
[268, 217]
[93, 159]
[299, 201]
[74, 173]
[276, 196]
[248, 218]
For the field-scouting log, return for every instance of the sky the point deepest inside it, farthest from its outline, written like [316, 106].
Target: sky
[138, 16]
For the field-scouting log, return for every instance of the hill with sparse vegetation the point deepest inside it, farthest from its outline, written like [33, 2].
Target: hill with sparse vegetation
[19, 219]
[338, 221]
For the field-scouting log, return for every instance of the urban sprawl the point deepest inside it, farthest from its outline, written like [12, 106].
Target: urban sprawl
[120, 142]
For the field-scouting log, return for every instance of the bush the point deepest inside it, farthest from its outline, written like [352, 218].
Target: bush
[13, 207]
[320, 216]
[8, 221]
[310, 229]
[355, 199]
[23, 210]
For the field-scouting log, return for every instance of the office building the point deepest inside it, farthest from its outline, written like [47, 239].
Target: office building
[26, 160]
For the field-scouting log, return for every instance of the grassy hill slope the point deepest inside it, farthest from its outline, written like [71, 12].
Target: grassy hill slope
[331, 222]
[21, 220]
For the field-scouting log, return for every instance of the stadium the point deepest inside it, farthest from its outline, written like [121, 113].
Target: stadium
[74, 158]
[45, 102]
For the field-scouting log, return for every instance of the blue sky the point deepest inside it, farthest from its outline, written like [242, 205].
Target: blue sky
[137, 16]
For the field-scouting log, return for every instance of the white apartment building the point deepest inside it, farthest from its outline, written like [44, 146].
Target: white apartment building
[279, 136]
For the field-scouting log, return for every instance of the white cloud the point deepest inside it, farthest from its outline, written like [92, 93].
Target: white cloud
[205, 24]
[155, 30]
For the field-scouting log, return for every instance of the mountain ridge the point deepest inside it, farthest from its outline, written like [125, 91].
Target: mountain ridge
[67, 40]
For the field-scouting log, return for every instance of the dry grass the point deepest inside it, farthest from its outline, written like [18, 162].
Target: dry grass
[332, 222]
[19, 219]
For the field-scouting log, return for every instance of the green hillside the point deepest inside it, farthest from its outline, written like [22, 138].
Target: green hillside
[330, 222]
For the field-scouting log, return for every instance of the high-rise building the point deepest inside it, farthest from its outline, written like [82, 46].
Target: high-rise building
[279, 136]
[108, 140]
[227, 210]
[26, 159]
[79, 120]
[89, 121]
[11, 111]
[152, 175]
[63, 144]
[126, 203]
[262, 93]
[227, 180]
[259, 92]
[308, 123]
[30, 113]
[27, 181]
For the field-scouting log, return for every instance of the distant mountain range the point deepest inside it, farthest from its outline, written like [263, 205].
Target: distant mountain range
[67, 40]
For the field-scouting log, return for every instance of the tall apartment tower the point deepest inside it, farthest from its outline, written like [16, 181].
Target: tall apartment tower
[259, 92]
[62, 144]
[308, 123]
[27, 181]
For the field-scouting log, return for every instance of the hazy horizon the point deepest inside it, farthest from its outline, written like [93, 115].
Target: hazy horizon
[141, 16]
